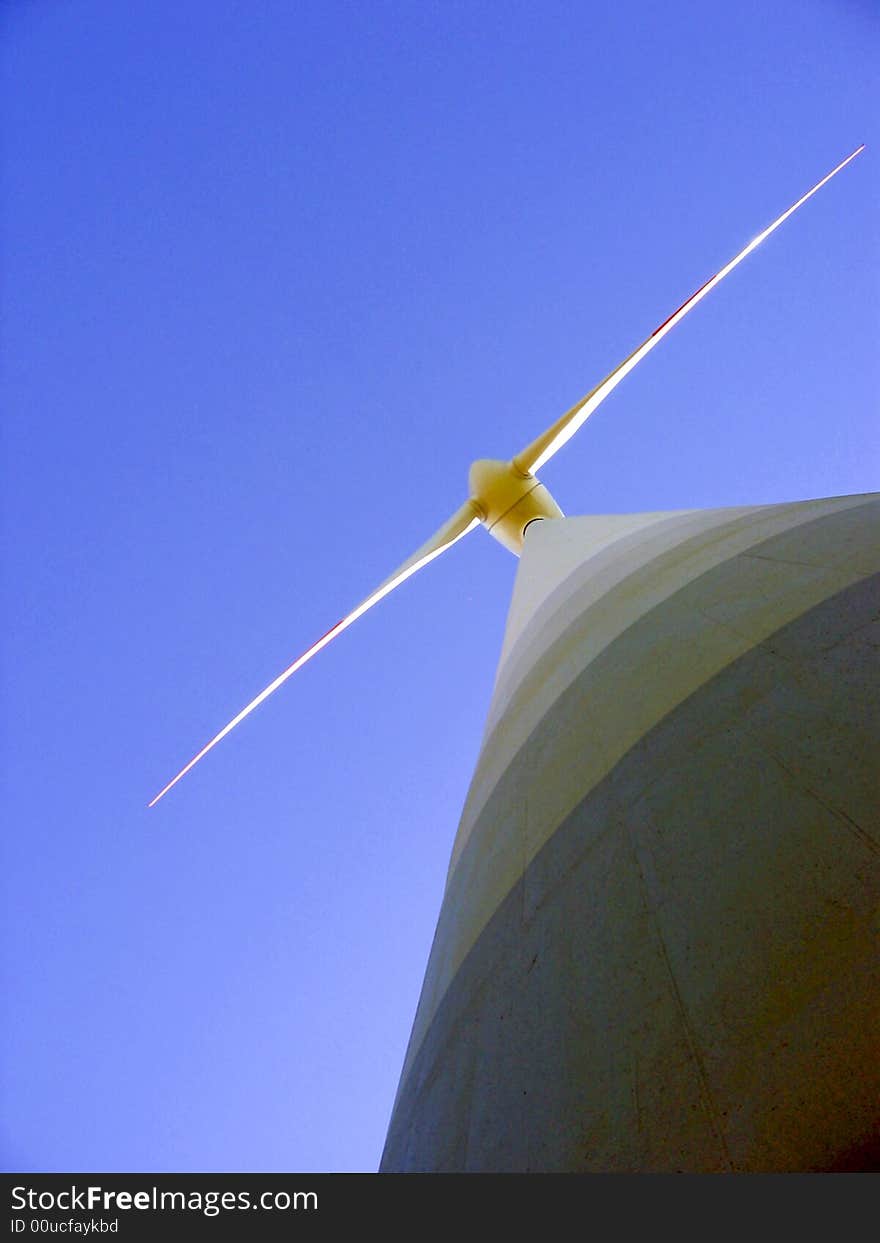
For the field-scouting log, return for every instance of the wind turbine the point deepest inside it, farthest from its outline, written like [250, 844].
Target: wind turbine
[505, 497]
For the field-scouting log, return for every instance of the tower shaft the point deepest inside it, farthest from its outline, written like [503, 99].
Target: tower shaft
[656, 947]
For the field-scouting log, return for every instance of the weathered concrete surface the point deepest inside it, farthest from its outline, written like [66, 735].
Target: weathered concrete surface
[657, 948]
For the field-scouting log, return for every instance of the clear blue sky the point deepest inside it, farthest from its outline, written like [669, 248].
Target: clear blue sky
[274, 275]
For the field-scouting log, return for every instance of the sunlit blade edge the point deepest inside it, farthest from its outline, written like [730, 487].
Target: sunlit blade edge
[537, 454]
[406, 571]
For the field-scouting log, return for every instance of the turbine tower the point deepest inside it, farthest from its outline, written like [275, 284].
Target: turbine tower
[657, 945]
[655, 948]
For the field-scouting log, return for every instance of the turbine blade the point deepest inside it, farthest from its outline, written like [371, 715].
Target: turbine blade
[533, 457]
[462, 521]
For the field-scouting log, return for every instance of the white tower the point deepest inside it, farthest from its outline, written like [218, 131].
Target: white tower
[657, 946]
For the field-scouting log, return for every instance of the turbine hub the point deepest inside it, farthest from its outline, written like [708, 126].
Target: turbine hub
[509, 500]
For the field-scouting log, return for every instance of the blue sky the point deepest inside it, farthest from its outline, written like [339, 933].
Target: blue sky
[274, 276]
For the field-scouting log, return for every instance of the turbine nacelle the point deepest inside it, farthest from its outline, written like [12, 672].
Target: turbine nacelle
[508, 499]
